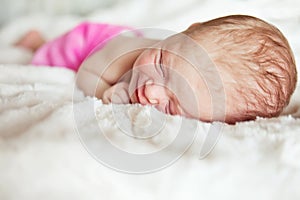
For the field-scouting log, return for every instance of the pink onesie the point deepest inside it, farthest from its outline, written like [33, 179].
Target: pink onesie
[72, 48]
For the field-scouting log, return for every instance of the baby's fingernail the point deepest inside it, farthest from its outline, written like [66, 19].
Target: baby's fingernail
[153, 101]
[149, 82]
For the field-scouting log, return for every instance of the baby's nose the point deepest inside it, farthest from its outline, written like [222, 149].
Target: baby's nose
[156, 94]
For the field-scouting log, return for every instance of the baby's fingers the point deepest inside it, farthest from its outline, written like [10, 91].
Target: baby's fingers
[120, 96]
[117, 94]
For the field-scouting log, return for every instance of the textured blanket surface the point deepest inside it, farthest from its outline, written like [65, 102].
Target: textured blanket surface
[43, 156]
[51, 136]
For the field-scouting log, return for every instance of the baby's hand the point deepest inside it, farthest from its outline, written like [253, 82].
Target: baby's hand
[118, 94]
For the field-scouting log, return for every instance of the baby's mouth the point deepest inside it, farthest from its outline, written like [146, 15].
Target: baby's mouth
[137, 96]
[140, 94]
[134, 97]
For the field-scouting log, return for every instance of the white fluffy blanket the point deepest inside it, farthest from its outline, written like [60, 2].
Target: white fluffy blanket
[43, 157]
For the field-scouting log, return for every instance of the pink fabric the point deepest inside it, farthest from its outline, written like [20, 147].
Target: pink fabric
[72, 48]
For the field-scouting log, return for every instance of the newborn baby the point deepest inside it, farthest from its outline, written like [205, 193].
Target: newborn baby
[229, 69]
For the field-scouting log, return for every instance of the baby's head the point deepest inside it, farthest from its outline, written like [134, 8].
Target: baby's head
[251, 65]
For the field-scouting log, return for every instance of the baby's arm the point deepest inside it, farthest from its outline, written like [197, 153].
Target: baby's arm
[110, 64]
[91, 84]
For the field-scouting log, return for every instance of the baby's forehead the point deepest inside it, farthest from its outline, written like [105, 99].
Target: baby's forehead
[194, 61]
[196, 74]
[188, 57]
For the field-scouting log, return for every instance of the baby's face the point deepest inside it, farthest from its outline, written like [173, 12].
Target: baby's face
[165, 76]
